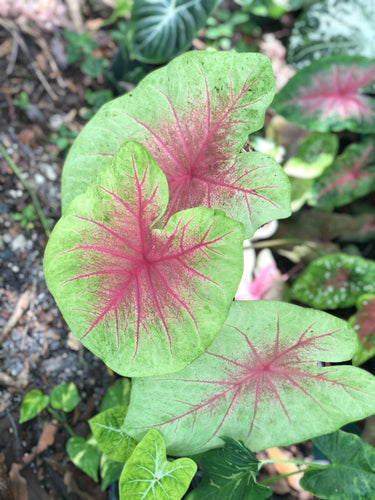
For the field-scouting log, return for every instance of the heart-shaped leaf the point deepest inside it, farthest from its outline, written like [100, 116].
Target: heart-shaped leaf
[351, 476]
[332, 94]
[193, 116]
[334, 281]
[113, 441]
[33, 403]
[118, 394]
[85, 455]
[64, 397]
[229, 472]
[259, 382]
[161, 30]
[145, 300]
[110, 471]
[351, 176]
[331, 27]
[363, 323]
[148, 474]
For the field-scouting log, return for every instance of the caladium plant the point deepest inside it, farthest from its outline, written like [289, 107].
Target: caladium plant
[363, 323]
[331, 94]
[193, 116]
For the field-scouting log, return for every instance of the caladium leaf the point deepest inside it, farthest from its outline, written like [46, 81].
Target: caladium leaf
[351, 476]
[148, 474]
[193, 116]
[334, 281]
[331, 27]
[85, 455]
[256, 380]
[315, 154]
[332, 94]
[161, 30]
[117, 394]
[143, 299]
[363, 323]
[351, 176]
[229, 472]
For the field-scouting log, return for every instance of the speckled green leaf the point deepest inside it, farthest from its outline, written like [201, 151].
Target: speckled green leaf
[110, 436]
[334, 281]
[333, 27]
[314, 155]
[85, 455]
[229, 472]
[351, 176]
[351, 476]
[331, 95]
[161, 30]
[363, 323]
[33, 403]
[110, 471]
[148, 474]
[117, 394]
[64, 397]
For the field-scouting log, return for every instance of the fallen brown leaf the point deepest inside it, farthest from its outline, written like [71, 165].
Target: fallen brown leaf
[18, 483]
[21, 306]
[47, 438]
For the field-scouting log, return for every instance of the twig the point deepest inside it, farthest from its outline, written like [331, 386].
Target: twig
[29, 189]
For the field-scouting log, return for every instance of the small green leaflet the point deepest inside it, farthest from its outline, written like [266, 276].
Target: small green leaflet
[334, 281]
[117, 394]
[110, 471]
[33, 403]
[363, 323]
[64, 397]
[351, 476]
[85, 455]
[256, 380]
[351, 176]
[148, 474]
[107, 428]
[229, 473]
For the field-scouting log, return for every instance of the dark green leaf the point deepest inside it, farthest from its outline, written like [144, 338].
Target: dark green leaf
[117, 395]
[85, 455]
[110, 471]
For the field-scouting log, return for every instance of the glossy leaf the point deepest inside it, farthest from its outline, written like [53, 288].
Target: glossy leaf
[64, 397]
[107, 428]
[148, 474]
[145, 300]
[257, 379]
[161, 30]
[351, 476]
[33, 403]
[332, 94]
[315, 154]
[110, 471]
[334, 281]
[363, 323]
[229, 472]
[117, 394]
[193, 116]
[85, 455]
[351, 176]
[333, 27]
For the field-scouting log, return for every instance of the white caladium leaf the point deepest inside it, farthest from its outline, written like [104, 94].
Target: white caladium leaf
[256, 382]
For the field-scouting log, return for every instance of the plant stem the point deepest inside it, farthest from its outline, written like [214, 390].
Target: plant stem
[62, 420]
[296, 462]
[29, 189]
[281, 476]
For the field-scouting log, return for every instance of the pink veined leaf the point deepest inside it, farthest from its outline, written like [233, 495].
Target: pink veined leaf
[363, 323]
[331, 94]
[194, 116]
[259, 382]
[351, 176]
[145, 300]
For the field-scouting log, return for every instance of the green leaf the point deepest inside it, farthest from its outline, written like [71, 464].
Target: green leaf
[330, 27]
[193, 116]
[64, 397]
[161, 30]
[229, 472]
[352, 473]
[257, 379]
[117, 395]
[145, 300]
[92, 66]
[314, 155]
[334, 281]
[350, 177]
[33, 403]
[363, 323]
[148, 474]
[85, 455]
[331, 95]
[107, 428]
[110, 471]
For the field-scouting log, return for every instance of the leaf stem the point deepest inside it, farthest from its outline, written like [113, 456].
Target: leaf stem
[29, 189]
[282, 476]
[62, 420]
[296, 462]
